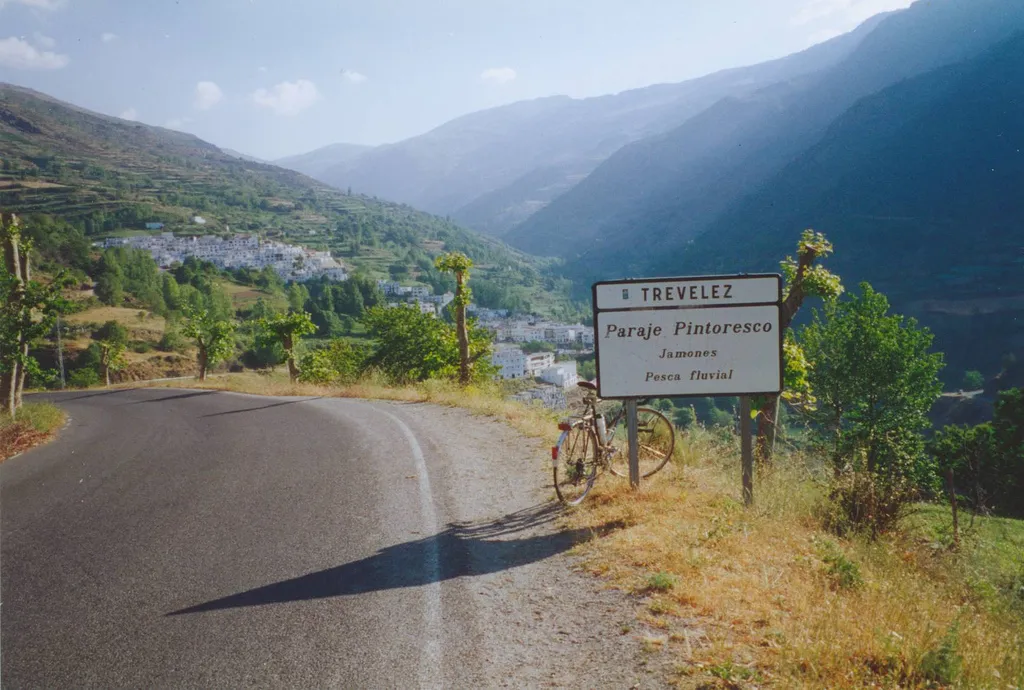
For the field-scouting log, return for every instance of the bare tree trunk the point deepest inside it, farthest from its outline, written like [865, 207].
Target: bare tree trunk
[202, 363]
[12, 261]
[19, 381]
[293, 369]
[767, 420]
[462, 332]
[106, 374]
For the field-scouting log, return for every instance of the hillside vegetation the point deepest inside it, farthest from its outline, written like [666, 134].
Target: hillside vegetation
[108, 176]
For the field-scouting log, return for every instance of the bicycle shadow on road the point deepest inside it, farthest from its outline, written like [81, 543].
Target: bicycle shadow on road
[464, 549]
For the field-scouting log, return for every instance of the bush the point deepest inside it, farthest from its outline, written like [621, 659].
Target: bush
[84, 378]
[338, 363]
[142, 347]
[859, 499]
[172, 341]
[684, 417]
[661, 582]
[843, 572]
[112, 332]
[943, 664]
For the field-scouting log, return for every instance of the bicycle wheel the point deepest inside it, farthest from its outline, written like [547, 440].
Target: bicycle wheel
[575, 464]
[656, 437]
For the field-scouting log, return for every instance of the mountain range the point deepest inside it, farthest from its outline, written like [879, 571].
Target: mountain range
[490, 170]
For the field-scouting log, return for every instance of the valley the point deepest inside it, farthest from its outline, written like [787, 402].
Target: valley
[336, 339]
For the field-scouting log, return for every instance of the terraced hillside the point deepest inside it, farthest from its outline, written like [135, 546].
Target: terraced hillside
[112, 176]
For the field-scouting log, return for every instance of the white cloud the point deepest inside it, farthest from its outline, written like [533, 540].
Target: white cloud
[108, 37]
[498, 75]
[130, 114]
[353, 77]
[207, 95]
[844, 15]
[177, 122]
[262, 69]
[288, 97]
[44, 41]
[20, 54]
[36, 4]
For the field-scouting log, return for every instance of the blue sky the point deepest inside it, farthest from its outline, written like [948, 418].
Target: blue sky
[273, 78]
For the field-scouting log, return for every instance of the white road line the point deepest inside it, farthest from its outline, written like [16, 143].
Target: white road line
[430, 658]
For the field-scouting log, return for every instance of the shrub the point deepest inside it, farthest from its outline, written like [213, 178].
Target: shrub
[943, 664]
[172, 341]
[843, 572]
[84, 378]
[661, 582]
[339, 362]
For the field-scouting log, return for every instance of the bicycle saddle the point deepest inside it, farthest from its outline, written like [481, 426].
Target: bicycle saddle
[588, 385]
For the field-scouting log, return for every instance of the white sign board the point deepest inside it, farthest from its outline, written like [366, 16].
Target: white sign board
[676, 337]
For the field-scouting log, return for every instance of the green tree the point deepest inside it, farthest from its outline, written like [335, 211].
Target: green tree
[171, 292]
[459, 264]
[298, 295]
[987, 460]
[110, 288]
[973, 380]
[412, 346]
[875, 379]
[214, 338]
[28, 310]
[537, 346]
[111, 357]
[286, 330]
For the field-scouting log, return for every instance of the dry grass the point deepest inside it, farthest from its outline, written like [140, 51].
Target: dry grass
[36, 423]
[129, 318]
[768, 606]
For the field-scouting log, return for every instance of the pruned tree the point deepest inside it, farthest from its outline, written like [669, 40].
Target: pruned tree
[803, 279]
[287, 329]
[459, 264]
[214, 338]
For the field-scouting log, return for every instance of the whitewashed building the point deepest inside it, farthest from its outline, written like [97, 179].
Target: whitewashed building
[538, 362]
[562, 374]
[291, 262]
[511, 363]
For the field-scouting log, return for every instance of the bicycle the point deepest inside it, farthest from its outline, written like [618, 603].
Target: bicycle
[590, 442]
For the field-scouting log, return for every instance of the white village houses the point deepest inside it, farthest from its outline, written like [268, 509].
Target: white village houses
[238, 251]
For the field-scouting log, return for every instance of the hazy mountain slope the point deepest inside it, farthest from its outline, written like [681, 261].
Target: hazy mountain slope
[921, 189]
[450, 168]
[244, 156]
[668, 189]
[315, 163]
[105, 174]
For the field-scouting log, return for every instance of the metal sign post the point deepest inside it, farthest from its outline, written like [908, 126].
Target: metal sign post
[634, 445]
[747, 451]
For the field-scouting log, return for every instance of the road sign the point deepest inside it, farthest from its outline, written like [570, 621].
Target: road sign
[677, 337]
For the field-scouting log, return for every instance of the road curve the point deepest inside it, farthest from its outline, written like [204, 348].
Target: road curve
[183, 538]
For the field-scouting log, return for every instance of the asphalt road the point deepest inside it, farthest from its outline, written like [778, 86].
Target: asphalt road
[174, 538]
